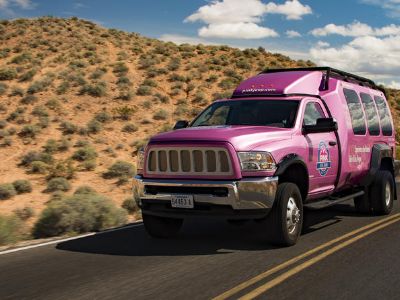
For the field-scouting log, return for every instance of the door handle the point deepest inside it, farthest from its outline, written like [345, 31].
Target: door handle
[332, 143]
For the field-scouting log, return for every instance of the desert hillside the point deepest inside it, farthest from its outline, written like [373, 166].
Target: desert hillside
[78, 100]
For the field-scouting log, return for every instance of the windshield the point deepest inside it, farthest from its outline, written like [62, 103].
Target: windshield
[274, 113]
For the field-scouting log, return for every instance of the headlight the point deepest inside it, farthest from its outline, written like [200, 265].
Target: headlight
[140, 161]
[256, 161]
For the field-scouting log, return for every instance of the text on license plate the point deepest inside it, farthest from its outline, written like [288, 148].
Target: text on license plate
[182, 201]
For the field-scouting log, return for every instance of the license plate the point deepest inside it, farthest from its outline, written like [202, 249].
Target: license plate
[182, 201]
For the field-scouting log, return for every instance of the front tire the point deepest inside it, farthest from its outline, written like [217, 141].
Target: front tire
[286, 218]
[161, 227]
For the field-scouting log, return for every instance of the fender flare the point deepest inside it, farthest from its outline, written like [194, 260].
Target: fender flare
[290, 160]
[380, 151]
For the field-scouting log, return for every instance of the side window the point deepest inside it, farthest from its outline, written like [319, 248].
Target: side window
[356, 112]
[371, 113]
[384, 116]
[312, 112]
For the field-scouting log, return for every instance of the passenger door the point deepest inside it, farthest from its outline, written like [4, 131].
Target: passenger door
[322, 153]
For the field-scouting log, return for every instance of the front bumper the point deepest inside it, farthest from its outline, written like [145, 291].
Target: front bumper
[250, 196]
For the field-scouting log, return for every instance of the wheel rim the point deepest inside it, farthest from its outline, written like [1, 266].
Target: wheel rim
[292, 215]
[388, 192]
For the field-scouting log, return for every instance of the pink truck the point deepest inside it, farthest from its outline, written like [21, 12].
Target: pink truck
[287, 139]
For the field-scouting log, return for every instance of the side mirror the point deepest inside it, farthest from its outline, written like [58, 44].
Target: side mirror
[322, 125]
[181, 124]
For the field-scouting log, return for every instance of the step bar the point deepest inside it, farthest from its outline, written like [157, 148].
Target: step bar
[324, 203]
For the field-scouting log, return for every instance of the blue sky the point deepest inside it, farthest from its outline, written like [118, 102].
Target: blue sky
[361, 36]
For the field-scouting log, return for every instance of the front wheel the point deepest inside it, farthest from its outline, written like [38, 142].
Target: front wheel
[161, 227]
[286, 218]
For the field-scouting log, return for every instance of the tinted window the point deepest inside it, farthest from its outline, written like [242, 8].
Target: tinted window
[312, 112]
[372, 115]
[356, 112]
[275, 113]
[384, 116]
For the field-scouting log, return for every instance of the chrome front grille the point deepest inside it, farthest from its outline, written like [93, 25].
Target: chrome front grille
[189, 161]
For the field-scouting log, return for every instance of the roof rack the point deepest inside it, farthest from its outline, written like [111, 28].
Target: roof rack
[331, 72]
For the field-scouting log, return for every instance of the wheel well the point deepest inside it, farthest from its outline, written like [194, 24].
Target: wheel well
[297, 174]
[387, 164]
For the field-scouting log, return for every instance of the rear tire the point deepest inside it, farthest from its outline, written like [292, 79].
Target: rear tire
[285, 221]
[378, 197]
[161, 227]
[382, 193]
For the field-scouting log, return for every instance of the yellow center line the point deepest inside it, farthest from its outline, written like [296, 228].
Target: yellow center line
[265, 287]
[292, 261]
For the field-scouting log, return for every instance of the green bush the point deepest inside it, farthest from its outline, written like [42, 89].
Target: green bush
[98, 73]
[160, 115]
[22, 58]
[94, 90]
[94, 126]
[63, 168]
[126, 94]
[123, 80]
[103, 117]
[3, 124]
[53, 104]
[85, 153]
[3, 88]
[7, 191]
[58, 184]
[39, 167]
[8, 74]
[124, 112]
[10, 229]
[17, 91]
[39, 85]
[89, 165]
[22, 186]
[40, 111]
[120, 69]
[130, 205]
[129, 128]
[24, 213]
[84, 189]
[29, 99]
[32, 156]
[29, 131]
[68, 128]
[144, 90]
[82, 212]
[27, 76]
[120, 169]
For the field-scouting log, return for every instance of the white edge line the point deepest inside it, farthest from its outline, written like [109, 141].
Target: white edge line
[69, 239]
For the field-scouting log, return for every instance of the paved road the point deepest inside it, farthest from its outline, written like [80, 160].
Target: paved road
[210, 258]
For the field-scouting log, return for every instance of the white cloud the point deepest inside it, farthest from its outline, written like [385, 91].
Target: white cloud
[183, 39]
[394, 85]
[392, 7]
[378, 57]
[6, 6]
[292, 34]
[356, 29]
[240, 19]
[236, 30]
[293, 10]
[322, 44]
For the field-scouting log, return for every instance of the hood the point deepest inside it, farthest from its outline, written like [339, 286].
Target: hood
[242, 138]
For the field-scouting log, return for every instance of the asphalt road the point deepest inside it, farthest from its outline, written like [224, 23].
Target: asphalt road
[212, 257]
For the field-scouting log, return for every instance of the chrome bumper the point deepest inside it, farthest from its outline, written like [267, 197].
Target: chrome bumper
[245, 194]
